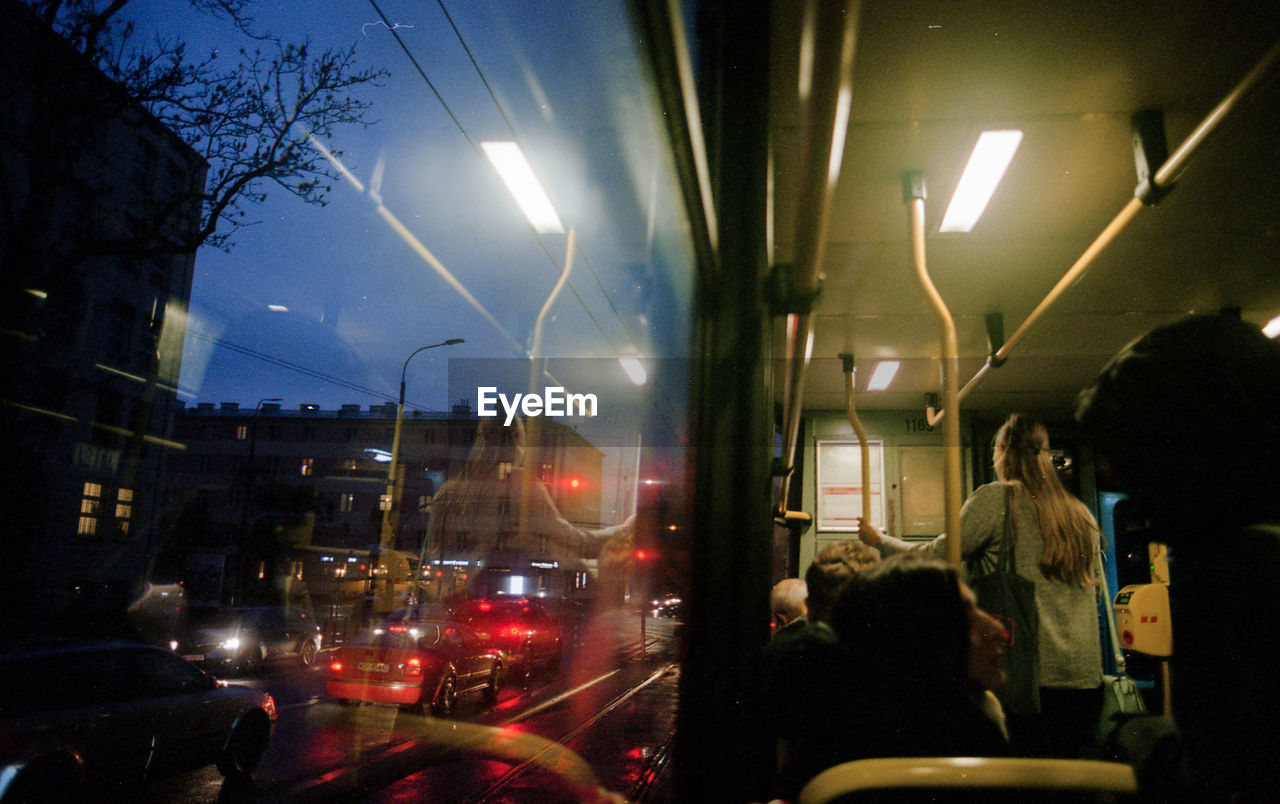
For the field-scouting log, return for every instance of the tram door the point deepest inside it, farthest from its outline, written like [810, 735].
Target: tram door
[1128, 560]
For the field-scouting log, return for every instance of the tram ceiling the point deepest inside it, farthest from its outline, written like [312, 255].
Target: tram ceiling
[928, 78]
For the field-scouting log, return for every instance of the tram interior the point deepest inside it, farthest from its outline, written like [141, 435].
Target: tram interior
[928, 78]
[1056, 275]
[752, 193]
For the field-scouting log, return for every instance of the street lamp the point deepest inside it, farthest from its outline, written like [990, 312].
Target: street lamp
[248, 484]
[391, 512]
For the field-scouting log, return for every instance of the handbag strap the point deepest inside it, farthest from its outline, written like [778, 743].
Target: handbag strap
[1008, 559]
[1117, 653]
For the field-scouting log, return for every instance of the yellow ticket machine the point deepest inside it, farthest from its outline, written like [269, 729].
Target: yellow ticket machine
[1142, 619]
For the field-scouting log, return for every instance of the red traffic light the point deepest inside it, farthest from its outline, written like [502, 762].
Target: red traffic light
[644, 555]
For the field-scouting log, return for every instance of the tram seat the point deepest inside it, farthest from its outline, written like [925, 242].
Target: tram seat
[955, 779]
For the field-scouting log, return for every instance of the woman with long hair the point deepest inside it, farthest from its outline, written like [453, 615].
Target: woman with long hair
[1057, 547]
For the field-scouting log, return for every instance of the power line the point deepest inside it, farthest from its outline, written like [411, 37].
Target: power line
[295, 367]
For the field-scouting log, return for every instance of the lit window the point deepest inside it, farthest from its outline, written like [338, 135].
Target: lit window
[545, 472]
[349, 464]
[384, 502]
[124, 508]
[504, 470]
[346, 502]
[308, 466]
[242, 432]
[90, 508]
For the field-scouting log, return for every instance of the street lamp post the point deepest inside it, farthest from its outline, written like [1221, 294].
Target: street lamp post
[390, 514]
[248, 488]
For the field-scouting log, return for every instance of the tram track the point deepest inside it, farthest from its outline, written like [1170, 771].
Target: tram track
[492, 793]
[541, 745]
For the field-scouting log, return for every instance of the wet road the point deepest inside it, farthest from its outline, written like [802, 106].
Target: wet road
[611, 707]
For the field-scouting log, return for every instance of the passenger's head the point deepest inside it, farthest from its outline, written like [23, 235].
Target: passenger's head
[1067, 529]
[787, 600]
[912, 620]
[1022, 450]
[1185, 420]
[834, 566]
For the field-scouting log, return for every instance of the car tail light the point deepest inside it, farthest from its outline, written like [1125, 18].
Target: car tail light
[335, 667]
[413, 668]
[270, 705]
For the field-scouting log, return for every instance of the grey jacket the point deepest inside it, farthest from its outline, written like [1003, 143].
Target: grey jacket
[1069, 644]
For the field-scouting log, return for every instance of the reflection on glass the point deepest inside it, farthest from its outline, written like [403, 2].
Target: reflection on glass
[220, 275]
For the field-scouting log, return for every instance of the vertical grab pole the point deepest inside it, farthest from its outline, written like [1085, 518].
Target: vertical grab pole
[826, 94]
[852, 414]
[913, 193]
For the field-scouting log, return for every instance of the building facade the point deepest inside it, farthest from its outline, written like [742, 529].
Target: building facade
[92, 320]
[274, 501]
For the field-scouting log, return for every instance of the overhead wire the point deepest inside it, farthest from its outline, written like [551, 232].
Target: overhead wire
[475, 147]
[295, 367]
[585, 257]
[511, 128]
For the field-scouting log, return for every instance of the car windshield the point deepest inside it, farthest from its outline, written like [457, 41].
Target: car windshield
[399, 637]
[223, 620]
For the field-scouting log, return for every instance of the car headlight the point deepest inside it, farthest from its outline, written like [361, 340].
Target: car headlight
[232, 644]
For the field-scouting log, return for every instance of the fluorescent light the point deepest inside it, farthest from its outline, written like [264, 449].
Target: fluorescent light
[1272, 329]
[509, 161]
[634, 370]
[883, 375]
[987, 164]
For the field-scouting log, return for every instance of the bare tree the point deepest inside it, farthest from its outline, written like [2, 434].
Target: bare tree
[249, 114]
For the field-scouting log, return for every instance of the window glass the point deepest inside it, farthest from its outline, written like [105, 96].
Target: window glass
[376, 377]
[159, 674]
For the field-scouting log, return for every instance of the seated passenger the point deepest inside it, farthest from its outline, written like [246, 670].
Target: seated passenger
[1185, 420]
[787, 605]
[920, 659]
[797, 671]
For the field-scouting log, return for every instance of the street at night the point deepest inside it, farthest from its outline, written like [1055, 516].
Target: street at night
[613, 708]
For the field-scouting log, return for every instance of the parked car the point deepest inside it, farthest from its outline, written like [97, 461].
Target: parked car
[242, 639]
[79, 718]
[420, 664]
[524, 629]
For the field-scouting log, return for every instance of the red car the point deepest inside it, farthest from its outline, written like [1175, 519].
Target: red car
[425, 665]
[526, 631]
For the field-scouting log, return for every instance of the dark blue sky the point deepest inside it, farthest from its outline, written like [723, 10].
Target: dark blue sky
[353, 288]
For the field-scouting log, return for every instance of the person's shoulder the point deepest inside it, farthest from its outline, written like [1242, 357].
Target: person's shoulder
[995, 488]
[1258, 542]
[989, 495]
[1263, 532]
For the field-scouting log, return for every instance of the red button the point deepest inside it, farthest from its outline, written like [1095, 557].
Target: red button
[1128, 638]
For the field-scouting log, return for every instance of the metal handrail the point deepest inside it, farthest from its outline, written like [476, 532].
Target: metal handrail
[851, 413]
[914, 194]
[826, 91]
[1164, 178]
